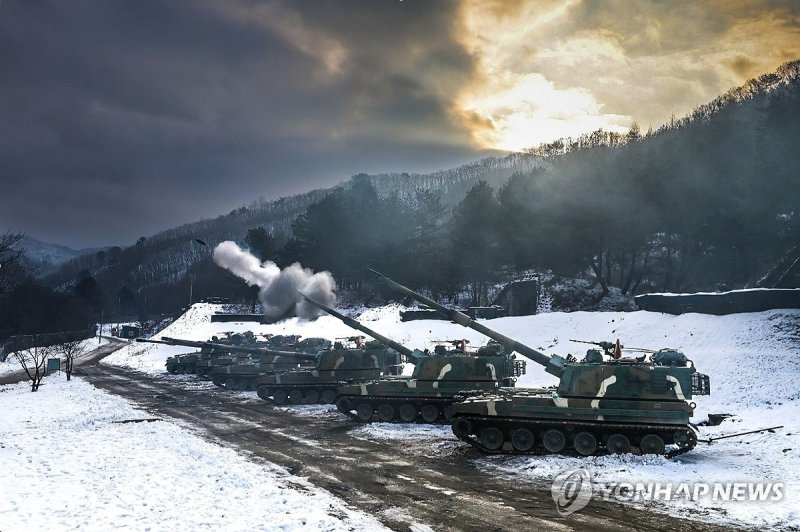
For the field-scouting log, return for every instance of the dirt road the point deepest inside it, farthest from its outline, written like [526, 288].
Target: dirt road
[426, 482]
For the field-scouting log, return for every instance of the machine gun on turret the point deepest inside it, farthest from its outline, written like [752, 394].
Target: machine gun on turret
[553, 364]
[411, 355]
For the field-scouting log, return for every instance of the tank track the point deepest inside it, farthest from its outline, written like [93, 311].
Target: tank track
[181, 369]
[441, 404]
[508, 425]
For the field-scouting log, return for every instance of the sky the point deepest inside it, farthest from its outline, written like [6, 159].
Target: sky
[122, 118]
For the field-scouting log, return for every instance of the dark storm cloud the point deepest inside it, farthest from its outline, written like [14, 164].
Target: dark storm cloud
[122, 118]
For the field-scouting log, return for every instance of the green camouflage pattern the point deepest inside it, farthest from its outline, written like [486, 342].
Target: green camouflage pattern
[602, 404]
[331, 368]
[429, 393]
[242, 371]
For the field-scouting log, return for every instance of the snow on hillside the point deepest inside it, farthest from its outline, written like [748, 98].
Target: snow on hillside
[753, 361]
[75, 466]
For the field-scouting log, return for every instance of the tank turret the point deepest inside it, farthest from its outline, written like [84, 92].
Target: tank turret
[241, 371]
[553, 364]
[411, 355]
[428, 394]
[222, 353]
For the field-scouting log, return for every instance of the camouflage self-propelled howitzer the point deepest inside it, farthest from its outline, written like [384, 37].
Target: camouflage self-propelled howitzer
[242, 370]
[206, 365]
[331, 368]
[602, 404]
[429, 393]
[191, 363]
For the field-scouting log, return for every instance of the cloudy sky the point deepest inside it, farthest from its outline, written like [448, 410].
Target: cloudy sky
[121, 118]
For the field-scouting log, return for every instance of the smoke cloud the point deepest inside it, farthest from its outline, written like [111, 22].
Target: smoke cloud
[278, 288]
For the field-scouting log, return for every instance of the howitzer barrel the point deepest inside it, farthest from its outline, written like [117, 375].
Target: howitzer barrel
[552, 364]
[186, 343]
[358, 326]
[232, 348]
[262, 351]
[149, 341]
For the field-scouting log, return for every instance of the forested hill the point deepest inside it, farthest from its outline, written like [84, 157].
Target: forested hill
[167, 255]
[709, 199]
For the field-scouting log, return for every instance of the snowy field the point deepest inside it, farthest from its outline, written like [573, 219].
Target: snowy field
[68, 463]
[753, 361]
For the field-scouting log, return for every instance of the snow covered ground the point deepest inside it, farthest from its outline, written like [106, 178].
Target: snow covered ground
[68, 463]
[11, 364]
[753, 361]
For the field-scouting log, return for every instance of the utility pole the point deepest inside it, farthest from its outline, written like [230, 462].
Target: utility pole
[100, 332]
[191, 276]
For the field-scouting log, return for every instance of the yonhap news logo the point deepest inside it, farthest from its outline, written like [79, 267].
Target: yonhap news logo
[573, 489]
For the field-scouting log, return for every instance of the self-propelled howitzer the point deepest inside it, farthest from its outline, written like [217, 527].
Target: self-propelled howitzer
[217, 350]
[429, 392]
[242, 371]
[601, 404]
[331, 367]
[188, 363]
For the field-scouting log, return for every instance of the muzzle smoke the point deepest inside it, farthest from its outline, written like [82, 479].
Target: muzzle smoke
[278, 288]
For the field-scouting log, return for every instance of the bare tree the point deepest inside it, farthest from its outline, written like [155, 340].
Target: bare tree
[33, 361]
[70, 350]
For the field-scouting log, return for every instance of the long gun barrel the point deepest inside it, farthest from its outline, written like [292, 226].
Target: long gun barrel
[412, 355]
[233, 348]
[175, 341]
[553, 365]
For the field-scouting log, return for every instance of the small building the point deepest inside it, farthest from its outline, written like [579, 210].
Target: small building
[130, 331]
[519, 298]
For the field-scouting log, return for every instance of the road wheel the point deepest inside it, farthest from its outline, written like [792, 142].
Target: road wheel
[296, 397]
[448, 412]
[230, 383]
[200, 372]
[364, 412]
[328, 396]
[263, 392]
[652, 444]
[343, 405]
[172, 368]
[585, 443]
[492, 438]
[522, 440]
[408, 412]
[429, 413]
[684, 438]
[618, 444]
[312, 397]
[554, 441]
[462, 427]
[280, 397]
[386, 412]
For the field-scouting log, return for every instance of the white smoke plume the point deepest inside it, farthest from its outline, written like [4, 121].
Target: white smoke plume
[278, 288]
